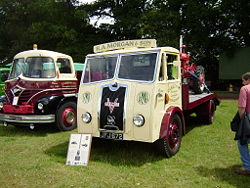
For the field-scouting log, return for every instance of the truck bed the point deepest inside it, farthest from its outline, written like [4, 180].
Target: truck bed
[190, 100]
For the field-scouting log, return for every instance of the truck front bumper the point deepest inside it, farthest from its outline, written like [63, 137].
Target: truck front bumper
[13, 118]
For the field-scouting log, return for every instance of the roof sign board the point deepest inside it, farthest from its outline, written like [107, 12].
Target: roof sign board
[125, 44]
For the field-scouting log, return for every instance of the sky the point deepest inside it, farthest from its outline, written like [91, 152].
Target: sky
[86, 1]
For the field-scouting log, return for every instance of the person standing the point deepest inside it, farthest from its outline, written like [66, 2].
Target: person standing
[244, 106]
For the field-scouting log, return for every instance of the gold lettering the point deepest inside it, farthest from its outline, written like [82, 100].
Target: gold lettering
[143, 43]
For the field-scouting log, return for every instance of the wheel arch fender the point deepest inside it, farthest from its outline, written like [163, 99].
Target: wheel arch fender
[66, 99]
[170, 112]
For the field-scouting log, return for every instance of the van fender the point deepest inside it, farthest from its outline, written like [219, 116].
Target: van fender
[170, 112]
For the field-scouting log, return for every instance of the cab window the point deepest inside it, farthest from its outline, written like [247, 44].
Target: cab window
[17, 68]
[64, 65]
[172, 70]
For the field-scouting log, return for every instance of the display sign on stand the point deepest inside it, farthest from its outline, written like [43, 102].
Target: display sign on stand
[79, 149]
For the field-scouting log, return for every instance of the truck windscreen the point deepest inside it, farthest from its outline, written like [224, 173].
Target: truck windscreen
[17, 68]
[136, 66]
[100, 68]
[34, 67]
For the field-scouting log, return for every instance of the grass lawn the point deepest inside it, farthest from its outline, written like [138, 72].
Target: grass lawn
[206, 158]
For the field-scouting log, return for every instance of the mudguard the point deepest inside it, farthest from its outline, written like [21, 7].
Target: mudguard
[167, 118]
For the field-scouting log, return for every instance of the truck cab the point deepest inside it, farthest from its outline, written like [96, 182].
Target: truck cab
[132, 90]
[41, 88]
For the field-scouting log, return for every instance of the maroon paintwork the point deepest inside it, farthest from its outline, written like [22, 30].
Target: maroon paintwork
[202, 103]
[30, 91]
[164, 133]
[199, 98]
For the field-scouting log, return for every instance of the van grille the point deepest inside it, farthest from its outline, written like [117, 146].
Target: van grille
[24, 95]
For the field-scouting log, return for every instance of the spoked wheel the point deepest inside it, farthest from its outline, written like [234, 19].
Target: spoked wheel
[170, 146]
[66, 116]
[199, 83]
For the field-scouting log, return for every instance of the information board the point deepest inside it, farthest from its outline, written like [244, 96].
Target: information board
[79, 149]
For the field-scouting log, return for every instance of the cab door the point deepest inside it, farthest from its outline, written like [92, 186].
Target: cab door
[173, 71]
[168, 87]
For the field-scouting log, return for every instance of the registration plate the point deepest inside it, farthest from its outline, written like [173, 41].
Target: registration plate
[113, 136]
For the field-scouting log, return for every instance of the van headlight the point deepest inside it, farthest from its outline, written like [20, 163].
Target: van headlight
[86, 117]
[40, 106]
[138, 120]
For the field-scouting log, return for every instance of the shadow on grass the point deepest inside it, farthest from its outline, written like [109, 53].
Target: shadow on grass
[193, 122]
[117, 153]
[226, 175]
[40, 130]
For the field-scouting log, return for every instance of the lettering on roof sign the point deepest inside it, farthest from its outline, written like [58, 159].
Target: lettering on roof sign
[126, 44]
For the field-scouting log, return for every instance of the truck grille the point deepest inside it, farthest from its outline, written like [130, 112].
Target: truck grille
[112, 108]
[24, 95]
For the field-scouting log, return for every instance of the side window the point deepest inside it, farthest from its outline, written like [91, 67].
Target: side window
[172, 70]
[64, 65]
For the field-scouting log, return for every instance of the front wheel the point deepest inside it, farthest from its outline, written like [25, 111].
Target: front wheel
[170, 146]
[66, 116]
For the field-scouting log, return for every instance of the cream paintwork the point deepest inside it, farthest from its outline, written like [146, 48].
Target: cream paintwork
[153, 110]
[54, 56]
[125, 44]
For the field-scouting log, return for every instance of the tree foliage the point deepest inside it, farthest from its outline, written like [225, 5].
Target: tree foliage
[209, 27]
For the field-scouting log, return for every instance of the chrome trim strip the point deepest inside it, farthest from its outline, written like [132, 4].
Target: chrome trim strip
[13, 118]
[70, 95]
[58, 89]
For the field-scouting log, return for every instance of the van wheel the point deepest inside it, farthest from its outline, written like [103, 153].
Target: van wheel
[66, 116]
[170, 146]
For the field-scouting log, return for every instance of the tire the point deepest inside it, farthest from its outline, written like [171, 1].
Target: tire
[209, 118]
[171, 145]
[66, 116]
[198, 85]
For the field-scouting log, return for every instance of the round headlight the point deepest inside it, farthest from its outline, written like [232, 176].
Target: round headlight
[138, 120]
[86, 117]
[40, 106]
[1, 105]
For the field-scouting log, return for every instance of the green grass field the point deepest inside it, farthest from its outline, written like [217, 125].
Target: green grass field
[206, 159]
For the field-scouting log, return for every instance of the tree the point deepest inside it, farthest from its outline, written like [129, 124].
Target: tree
[54, 25]
[127, 15]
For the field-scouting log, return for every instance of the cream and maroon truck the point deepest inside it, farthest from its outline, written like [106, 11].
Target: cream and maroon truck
[42, 88]
[134, 90]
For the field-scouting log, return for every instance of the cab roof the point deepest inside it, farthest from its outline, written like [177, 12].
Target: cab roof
[132, 50]
[42, 53]
[129, 46]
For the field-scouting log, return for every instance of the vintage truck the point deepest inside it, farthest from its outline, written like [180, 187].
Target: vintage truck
[134, 90]
[41, 88]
